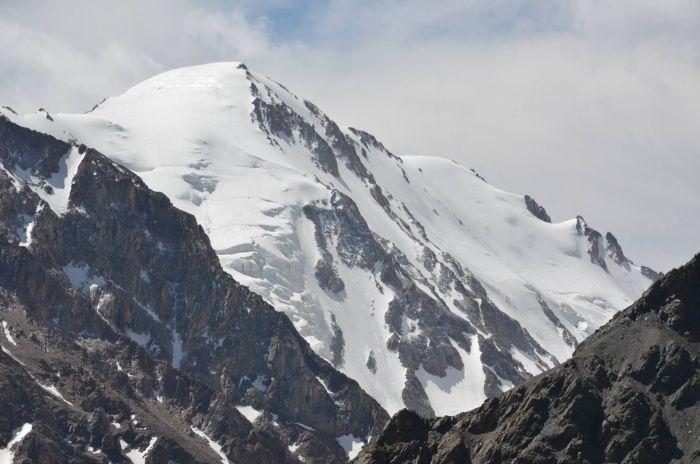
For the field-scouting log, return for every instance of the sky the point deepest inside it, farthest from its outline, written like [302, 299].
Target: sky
[590, 106]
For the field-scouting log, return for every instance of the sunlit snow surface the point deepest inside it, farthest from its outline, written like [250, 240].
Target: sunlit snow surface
[351, 444]
[54, 391]
[7, 453]
[249, 413]
[212, 444]
[138, 456]
[8, 334]
[189, 133]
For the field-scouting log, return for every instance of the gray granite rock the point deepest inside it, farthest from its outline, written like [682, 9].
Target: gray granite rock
[538, 211]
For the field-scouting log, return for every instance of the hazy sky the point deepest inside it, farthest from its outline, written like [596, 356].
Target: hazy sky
[590, 106]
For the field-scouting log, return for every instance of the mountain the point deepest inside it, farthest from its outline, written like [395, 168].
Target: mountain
[123, 337]
[630, 394]
[412, 275]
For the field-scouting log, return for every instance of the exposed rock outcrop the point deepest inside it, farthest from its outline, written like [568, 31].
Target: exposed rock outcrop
[538, 211]
[596, 246]
[651, 274]
[614, 250]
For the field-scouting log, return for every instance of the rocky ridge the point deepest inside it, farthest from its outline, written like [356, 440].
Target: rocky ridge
[630, 394]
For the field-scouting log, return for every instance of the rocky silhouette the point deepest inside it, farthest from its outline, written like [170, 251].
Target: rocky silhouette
[630, 394]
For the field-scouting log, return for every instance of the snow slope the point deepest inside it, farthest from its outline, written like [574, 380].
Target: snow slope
[430, 287]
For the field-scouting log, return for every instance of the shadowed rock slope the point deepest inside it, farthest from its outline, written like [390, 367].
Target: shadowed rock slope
[630, 395]
[123, 337]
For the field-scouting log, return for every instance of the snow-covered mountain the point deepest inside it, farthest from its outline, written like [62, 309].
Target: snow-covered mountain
[412, 275]
[114, 305]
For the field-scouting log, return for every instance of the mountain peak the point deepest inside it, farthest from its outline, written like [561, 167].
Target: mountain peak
[412, 275]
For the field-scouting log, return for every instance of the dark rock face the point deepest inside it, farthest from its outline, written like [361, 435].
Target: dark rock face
[129, 298]
[341, 145]
[30, 151]
[614, 250]
[600, 248]
[326, 141]
[566, 335]
[276, 118]
[368, 139]
[327, 275]
[356, 246]
[477, 174]
[415, 398]
[538, 211]
[630, 394]
[596, 247]
[651, 274]
[371, 362]
[337, 344]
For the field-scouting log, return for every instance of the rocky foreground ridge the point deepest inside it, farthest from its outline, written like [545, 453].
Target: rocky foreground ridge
[630, 394]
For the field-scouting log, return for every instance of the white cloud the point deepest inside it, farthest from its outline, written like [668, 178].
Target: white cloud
[69, 55]
[598, 118]
[638, 19]
[589, 105]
